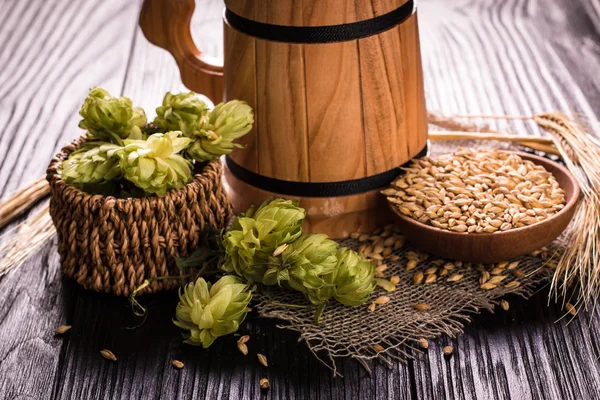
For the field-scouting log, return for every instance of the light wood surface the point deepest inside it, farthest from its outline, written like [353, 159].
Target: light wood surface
[283, 142]
[240, 83]
[384, 102]
[480, 56]
[335, 128]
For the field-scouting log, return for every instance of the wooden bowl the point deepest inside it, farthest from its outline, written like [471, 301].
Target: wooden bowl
[497, 246]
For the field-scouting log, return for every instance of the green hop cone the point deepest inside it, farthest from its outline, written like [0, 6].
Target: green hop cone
[351, 283]
[111, 119]
[208, 311]
[225, 123]
[154, 165]
[303, 263]
[279, 221]
[252, 238]
[182, 111]
[93, 163]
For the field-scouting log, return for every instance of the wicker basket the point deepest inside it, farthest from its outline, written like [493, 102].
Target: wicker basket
[112, 245]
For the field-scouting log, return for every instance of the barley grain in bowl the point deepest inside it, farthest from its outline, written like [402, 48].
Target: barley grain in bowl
[477, 191]
[461, 205]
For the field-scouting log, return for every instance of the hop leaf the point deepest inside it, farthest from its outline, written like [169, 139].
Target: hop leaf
[303, 263]
[154, 165]
[351, 283]
[111, 119]
[93, 163]
[183, 111]
[252, 238]
[225, 123]
[208, 311]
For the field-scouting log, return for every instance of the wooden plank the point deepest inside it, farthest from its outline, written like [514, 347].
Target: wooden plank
[516, 354]
[34, 301]
[282, 124]
[384, 100]
[281, 99]
[510, 69]
[41, 82]
[416, 112]
[240, 83]
[45, 48]
[333, 100]
[143, 369]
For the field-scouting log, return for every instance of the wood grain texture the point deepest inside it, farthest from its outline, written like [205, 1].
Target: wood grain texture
[334, 105]
[240, 83]
[326, 112]
[480, 56]
[384, 98]
[167, 24]
[506, 66]
[281, 98]
[333, 98]
[367, 9]
[336, 217]
[282, 111]
[45, 73]
[416, 109]
[35, 300]
[335, 12]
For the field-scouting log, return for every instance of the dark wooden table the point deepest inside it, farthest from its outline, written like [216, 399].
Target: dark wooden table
[484, 57]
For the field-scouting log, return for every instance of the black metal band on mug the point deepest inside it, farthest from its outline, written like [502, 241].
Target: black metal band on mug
[317, 189]
[320, 34]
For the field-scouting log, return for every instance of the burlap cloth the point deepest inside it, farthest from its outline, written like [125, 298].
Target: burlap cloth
[396, 327]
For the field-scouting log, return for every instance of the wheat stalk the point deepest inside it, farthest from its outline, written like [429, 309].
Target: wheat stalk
[30, 237]
[23, 201]
[533, 142]
[580, 263]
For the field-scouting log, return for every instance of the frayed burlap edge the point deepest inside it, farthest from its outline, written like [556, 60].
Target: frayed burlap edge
[392, 331]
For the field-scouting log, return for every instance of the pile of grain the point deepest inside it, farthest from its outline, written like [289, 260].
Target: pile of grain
[476, 191]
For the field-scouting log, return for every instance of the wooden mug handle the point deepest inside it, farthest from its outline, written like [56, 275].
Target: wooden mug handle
[166, 23]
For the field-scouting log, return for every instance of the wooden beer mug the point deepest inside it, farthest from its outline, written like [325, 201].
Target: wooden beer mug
[337, 89]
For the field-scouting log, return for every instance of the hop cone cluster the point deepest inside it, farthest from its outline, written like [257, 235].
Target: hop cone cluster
[225, 123]
[351, 281]
[253, 237]
[213, 131]
[181, 112]
[208, 311]
[154, 165]
[111, 119]
[121, 148]
[268, 248]
[92, 164]
[304, 263]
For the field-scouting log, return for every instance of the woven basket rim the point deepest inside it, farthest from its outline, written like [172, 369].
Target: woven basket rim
[54, 177]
